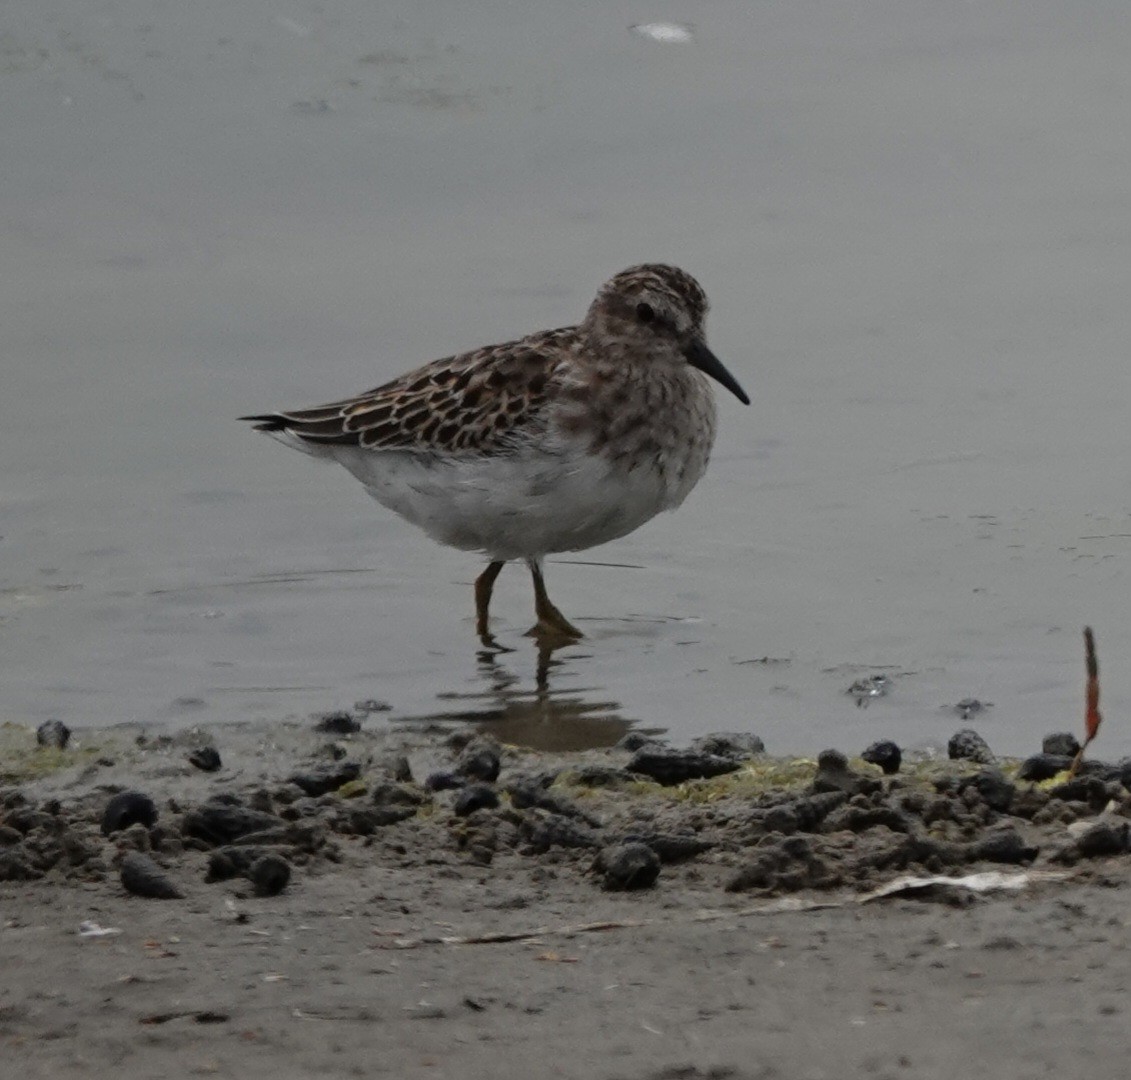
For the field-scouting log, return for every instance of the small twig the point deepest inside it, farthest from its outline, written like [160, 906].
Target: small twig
[1092, 715]
[201, 1016]
[787, 903]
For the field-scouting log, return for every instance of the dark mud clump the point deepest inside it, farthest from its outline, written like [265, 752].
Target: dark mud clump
[206, 759]
[885, 754]
[321, 779]
[269, 874]
[337, 723]
[628, 866]
[968, 745]
[1061, 743]
[730, 744]
[678, 766]
[1043, 766]
[479, 762]
[475, 797]
[128, 808]
[443, 781]
[53, 733]
[141, 876]
[224, 822]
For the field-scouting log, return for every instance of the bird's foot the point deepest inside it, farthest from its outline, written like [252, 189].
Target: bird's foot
[553, 628]
[491, 644]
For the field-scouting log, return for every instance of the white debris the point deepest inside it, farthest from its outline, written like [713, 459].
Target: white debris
[984, 882]
[666, 33]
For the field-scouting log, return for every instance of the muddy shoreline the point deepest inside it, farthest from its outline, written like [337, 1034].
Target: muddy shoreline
[608, 913]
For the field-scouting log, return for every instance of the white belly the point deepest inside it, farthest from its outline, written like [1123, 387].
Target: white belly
[525, 504]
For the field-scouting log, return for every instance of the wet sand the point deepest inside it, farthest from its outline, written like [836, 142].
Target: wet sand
[431, 942]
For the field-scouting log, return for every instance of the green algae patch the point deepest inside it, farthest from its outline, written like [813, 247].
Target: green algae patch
[766, 776]
[22, 759]
[758, 776]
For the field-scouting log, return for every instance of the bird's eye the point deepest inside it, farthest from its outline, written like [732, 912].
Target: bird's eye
[644, 313]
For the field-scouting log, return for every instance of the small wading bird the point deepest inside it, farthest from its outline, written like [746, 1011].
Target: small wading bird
[556, 442]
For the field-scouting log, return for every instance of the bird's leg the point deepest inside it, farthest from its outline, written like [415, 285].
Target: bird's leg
[551, 622]
[484, 584]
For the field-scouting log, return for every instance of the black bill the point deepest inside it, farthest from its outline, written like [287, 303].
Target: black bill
[699, 356]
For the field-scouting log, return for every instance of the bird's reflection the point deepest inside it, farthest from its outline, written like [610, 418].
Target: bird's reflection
[538, 716]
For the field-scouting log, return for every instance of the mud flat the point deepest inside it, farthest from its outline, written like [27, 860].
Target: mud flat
[344, 899]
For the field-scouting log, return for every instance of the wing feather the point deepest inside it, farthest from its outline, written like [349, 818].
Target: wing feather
[475, 402]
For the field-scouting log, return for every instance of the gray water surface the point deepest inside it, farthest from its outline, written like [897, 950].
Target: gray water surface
[914, 223]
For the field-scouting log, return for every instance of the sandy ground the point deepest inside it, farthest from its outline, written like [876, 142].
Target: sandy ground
[363, 965]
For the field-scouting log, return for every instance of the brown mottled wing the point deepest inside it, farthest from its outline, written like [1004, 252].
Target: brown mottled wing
[475, 402]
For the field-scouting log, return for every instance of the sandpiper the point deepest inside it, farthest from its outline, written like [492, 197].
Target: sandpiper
[559, 441]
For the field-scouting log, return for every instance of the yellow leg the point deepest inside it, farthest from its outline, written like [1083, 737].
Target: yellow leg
[552, 623]
[484, 584]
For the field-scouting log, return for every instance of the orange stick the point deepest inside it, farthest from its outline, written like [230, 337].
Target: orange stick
[1092, 715]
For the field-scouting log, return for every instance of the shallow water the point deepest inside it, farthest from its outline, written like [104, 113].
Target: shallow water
[911, 220]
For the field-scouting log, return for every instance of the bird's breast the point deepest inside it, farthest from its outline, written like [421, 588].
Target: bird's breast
[656, 424]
